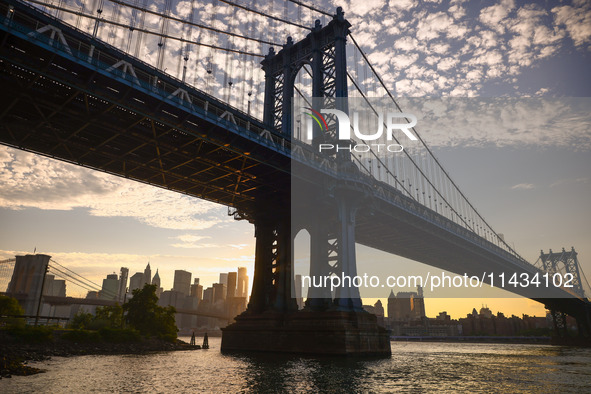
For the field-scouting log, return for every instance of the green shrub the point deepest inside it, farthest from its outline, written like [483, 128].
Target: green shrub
[10, 307]
[118, 335]
[81, 320]
[29, 334]
[85, 336]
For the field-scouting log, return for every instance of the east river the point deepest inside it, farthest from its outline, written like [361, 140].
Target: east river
[417, 367]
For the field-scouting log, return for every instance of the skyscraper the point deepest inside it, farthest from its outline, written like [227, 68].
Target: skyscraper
[182, 282]
[197, 290]
[122, 284]
[406, 305]
[219, 292]
[156, 279]
[232, 278]
[147, 275]
[224, 278]
[208, 295]
[136, 281]
[110, 288]
[242, 288]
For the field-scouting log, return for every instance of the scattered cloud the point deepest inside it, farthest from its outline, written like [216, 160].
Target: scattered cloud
[523, 186]
[568, 181]
[481, 122]
[33, 181]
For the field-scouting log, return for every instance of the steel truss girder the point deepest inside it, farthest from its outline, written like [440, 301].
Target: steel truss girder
[553, 262]
[318, 50]
[238, 175]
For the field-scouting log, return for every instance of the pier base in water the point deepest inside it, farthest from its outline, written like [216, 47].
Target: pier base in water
[307, 332]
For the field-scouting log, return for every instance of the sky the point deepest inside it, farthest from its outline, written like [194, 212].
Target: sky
[531, 182]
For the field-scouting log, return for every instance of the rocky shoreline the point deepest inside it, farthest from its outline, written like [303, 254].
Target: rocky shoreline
[15, 355]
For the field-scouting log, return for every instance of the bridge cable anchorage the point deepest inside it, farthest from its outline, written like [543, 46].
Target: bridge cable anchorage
[464, 218]
[192, 23]
[143, 30]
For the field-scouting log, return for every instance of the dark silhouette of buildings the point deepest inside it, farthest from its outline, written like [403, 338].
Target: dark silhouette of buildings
[406, 306]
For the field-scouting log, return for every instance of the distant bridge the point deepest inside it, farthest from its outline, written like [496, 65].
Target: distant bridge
[56, 300]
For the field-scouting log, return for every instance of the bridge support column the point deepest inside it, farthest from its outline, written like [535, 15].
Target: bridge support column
[272, 323]
[347, 297]
[273, 277]
[260, 299]
[319, 298]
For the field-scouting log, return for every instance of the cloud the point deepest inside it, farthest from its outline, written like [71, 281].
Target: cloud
[577, 21]
[523, 186]
[480, 122]
[191, 241]
[567, 181]
[494, 15]
[33, 181]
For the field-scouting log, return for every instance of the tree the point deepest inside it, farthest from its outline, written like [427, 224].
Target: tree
[110, 316]
[81, 320]
[10, 308]
[145, 315]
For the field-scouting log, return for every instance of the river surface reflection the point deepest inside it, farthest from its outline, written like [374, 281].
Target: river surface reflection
[413, 367]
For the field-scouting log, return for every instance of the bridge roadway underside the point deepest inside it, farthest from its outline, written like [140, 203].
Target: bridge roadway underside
[58, 108]
[398, 232]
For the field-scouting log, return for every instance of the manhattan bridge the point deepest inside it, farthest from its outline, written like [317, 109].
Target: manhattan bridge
[197, 96]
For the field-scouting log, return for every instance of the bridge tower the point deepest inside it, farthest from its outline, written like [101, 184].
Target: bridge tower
[566, 263]
[326, 325]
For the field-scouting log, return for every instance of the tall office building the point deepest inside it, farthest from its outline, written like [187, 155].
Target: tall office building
[219, 292]
[123, 275]
[208, 295]
[242, 287]
[136, 281]
[147, 275]
[54, 287]
[224, 279]
[197, 290]
[182, 282]
[110, 288]
[156, 279]
[406, 305]
[232, 278]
